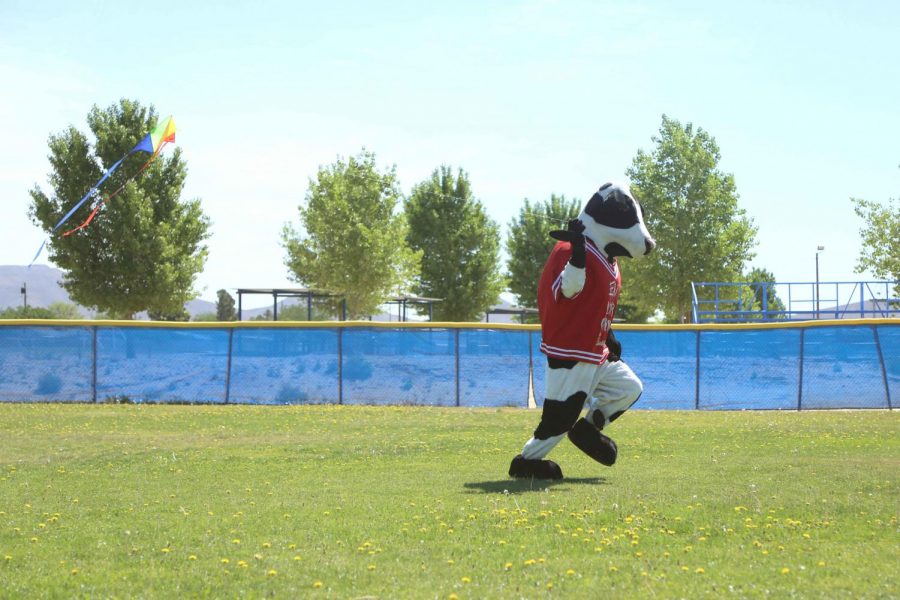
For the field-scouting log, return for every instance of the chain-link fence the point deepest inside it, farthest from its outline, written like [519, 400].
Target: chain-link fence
[812, 365]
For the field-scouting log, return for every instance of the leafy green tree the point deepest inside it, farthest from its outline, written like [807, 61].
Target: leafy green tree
[880, 252]
[528, 243]
[266, 316]
[459, 245]
[64, 310]
[26, 312]
[765, 296]
[145, 249]
[691, 208]
[180, 314]
[354, 244]
[225, 310]
[205, 317]
[633, 306]
[300, 312]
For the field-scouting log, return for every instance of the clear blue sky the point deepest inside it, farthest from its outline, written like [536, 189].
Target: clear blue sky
[531, 98]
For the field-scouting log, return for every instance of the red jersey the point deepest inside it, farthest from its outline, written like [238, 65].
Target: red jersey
[576, 328]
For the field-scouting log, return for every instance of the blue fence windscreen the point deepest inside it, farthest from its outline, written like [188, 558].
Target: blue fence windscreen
[284, 366]
[749, 369]
[46, 364]
[889, 343]
[666, 361]
[817, 365]
[493, 367]
[398, 366]
[841, 369]
[162, 365]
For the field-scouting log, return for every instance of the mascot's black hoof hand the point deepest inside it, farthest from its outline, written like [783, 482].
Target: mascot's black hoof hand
[575, 236]
[573, 233]
[589, 440]
[522, 467]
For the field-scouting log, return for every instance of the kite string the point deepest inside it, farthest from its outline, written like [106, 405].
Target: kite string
[115, 193]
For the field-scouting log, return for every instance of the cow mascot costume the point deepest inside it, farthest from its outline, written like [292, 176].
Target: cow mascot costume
[577, 296]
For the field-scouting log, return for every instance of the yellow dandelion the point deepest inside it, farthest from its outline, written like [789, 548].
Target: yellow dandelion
[613, 568]
[453, 597]
[242, 564]
[8, 558]
[466, 579]
[224, 561]
[371, 567]
[192, 557]
[297, 557]
[317, 584]
[74, 571]
[570, 572]
[685, 568]
[292, 546]
[235, 541]
[785, 571]
[821, 562]
[549, 585]
[272, 573]
[166, 550]
[699, 570]
[450, 561]
[266, 545]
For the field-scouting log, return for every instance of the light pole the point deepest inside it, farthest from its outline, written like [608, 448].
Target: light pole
[24, 291]
[818, 249]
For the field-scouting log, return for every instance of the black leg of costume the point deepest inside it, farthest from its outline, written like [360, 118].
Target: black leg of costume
[589, 440]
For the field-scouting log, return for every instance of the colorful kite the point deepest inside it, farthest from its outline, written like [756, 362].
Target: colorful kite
[152, 143]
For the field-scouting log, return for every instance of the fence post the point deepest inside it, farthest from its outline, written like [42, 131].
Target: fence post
[228, 366]
[456, 361]
[800, 378]
[530, 386]
[884, 377]
[697, 374]
[340, 365]
[94, 364]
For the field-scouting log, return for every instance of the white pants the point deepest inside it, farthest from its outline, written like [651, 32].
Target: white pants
[610, 388]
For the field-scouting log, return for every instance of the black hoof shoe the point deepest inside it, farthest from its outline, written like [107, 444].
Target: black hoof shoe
[589, 440]
[522, 467]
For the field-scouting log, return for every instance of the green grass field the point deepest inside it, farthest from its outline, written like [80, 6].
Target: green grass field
[406, 502]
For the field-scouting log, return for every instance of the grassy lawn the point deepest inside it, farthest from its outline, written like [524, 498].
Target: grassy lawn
[406, 502]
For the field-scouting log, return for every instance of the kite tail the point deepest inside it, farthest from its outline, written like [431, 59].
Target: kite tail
[114, 194]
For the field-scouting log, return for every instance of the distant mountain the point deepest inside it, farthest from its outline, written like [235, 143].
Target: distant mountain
[42, 286]
[40, 281]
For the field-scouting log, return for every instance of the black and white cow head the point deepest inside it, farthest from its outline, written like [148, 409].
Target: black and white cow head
[614, 221]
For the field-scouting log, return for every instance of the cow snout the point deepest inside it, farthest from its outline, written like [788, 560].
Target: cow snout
[649, 245]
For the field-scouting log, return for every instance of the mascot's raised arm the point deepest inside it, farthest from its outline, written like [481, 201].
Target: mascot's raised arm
[577, 297]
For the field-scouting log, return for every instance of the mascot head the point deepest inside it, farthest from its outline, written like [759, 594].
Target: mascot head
[614, 221]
